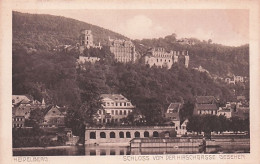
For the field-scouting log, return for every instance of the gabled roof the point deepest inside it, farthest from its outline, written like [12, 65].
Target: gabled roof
[206, 107]
[16, 111]
[205, 99]
[114, 97]
[21, 98]
[61, 109]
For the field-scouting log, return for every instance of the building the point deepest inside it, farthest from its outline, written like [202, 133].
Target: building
[54, 117]
[160, 58]
[84, 59]
[115, 108]
[86, 38]
[234, 79]
[173, 113]
[183, 127]
[18, 118]
[239, 79]
[227, 112]
[205, 105]
[181, 57]
[124, 51]
[86, 41]
[22, 105]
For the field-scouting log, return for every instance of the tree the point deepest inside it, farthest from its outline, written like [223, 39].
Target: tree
[195, 124]
[36, 117]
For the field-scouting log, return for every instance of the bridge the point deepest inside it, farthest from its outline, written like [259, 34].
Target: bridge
[123, 135]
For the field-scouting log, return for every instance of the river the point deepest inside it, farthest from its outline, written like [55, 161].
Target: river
[117, 150]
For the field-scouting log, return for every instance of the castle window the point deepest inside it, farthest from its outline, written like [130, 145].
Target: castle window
[112, 112]
[120, 112]
[124, 112]
[116, 112]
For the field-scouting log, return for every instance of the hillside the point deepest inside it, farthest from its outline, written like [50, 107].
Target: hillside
[42, 31]
[53, 75]
[218, 59]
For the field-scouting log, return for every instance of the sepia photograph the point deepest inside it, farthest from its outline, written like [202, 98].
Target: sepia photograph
[132, 84]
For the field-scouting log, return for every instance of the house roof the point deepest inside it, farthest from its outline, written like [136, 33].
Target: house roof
[16, 111]
[175, 106]
[61, 109]
[206, 106]
[225, 110]
[205, 99]
[114, 97]
[21, 98]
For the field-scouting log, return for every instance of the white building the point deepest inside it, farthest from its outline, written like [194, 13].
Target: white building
[115, 108]
[84, 59]
[160, 58]
[123, 50]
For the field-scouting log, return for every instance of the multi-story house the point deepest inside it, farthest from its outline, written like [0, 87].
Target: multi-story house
[22, 105]
[205, 105]
[54, 117]
[123, 50]
[115, 108]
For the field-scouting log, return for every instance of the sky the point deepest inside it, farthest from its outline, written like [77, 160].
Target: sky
[224, 26]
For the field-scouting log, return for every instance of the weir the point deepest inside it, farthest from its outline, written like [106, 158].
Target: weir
[123, 135]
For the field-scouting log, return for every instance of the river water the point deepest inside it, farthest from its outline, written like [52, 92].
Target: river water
[117, 150]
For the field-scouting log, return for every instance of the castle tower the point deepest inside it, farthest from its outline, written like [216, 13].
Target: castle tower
[187, 59]
[86, 38]
[175, 57]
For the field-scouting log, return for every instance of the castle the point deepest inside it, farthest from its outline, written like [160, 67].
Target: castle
[161, 58]
[86, 41]
[123, 50]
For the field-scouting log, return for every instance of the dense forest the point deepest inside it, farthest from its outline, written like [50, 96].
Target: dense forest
[55, 76]
[44, 32]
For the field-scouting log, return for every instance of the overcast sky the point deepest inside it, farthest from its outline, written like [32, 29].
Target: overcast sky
[228, 27]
